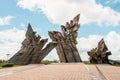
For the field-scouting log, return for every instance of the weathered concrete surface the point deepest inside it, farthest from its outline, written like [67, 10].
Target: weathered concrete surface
[66, 48]
[67, 71]
[99, 55]
[32, 51]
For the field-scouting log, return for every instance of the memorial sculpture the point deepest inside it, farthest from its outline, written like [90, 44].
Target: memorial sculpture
[99, 55]
[32, 50]
[66, 41]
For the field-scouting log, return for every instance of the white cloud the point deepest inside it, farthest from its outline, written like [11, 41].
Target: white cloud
[85, 43]
[13, 35]
[112, 40]
[63, 10]
[5, 20]
[10, 41]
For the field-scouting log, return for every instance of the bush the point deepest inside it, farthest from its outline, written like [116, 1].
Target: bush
[7, 65]
[86, 62]
[55, 61]
[3, 61]
[48, 62]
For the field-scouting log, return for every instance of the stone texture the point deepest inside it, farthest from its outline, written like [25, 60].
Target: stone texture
[32, 50]
[66, 48]
[99, 55]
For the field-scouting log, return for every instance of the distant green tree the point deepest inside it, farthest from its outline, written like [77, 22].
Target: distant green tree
[48, 62]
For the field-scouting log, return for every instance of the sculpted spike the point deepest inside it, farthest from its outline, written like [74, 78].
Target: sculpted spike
[66, 48]
[32, 51]
[99, 55]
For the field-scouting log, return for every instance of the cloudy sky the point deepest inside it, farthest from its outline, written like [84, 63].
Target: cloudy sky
[99, 19]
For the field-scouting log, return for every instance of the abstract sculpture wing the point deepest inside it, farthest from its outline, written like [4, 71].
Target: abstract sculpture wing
[32, 51]
[66, 48]
[100, 54]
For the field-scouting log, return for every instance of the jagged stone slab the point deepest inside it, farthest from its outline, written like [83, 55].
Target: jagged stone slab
[66, 48]
[99, 55]
[32, 51]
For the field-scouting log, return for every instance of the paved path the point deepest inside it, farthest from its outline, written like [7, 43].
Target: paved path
[69, 71]
[111, 72]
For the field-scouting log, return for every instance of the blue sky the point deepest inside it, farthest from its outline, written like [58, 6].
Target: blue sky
[99, 19]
